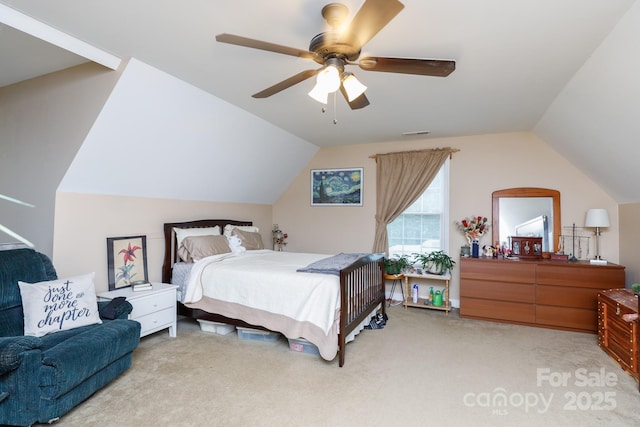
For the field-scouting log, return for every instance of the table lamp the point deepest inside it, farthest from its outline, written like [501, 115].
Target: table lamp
[597, 218]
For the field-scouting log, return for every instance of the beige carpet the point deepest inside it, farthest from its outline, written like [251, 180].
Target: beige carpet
[423, 368]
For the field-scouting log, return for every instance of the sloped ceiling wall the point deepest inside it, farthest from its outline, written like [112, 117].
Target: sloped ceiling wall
[43, 123]
[594, 120]
[158, 136]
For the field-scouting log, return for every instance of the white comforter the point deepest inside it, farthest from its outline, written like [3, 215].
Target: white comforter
[267, 280]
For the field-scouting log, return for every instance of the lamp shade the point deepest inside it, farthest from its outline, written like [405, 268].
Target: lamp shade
[352, 86]
[327, 81]
[319, 94]
[597, 218]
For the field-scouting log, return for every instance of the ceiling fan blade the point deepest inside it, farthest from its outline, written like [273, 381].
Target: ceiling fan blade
[423, 67]
[287, 83]
[371, 18]
[356, 104]
[271, 47]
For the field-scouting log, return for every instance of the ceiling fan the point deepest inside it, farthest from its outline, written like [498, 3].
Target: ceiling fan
[335, 49]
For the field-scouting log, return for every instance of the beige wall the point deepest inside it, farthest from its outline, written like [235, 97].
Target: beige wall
[43, 122]
[485, 163]
[84, 221]
[629, 214]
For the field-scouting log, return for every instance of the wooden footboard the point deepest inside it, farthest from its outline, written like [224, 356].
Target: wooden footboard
[361, 291]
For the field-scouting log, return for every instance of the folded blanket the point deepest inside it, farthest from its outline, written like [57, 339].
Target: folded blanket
[332, 264]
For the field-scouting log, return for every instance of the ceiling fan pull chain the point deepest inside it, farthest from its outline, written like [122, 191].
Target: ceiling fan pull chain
[335, 110]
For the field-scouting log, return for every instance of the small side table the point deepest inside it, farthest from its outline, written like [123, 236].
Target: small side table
[397, 279]
[155, 309]
[422, 303]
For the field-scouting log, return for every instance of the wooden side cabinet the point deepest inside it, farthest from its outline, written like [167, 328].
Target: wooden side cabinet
[617, 336]
[155, 309]
[544, 293]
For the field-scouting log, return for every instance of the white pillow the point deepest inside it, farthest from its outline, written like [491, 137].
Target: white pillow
[59, 305]
[181, 233]
[229, 228]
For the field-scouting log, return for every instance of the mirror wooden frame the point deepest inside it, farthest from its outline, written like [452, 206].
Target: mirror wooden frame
[527, 192]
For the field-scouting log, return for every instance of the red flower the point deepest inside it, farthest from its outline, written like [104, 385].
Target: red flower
[130, 253]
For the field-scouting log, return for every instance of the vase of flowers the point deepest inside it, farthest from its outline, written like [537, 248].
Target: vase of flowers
[279, 238]
[474, 228]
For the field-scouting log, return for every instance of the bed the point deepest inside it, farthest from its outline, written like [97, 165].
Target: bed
[326, 309]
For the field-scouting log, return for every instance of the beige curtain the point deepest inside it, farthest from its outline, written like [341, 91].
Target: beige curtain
[401, 179]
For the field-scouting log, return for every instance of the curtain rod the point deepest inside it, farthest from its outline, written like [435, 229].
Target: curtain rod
[450, 150]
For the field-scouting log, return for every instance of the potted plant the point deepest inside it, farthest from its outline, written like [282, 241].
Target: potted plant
[436, 262]
[636, 288]
[396, 265]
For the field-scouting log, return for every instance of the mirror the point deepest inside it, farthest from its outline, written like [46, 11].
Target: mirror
[527, 211]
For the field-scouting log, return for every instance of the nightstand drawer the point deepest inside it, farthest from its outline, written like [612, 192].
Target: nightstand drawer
[152, 303]
[154, 309]
[156, 320]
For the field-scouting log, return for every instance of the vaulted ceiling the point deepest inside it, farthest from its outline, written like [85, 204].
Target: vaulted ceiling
[565, 70]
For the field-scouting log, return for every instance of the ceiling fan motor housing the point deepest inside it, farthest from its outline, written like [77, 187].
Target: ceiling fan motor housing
[327, 45]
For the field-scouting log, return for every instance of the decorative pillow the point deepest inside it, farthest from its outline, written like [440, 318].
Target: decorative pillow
[228, 229]
[250, 240]
[236, 244]
[59, 305]
[182, 233]
[194, 248]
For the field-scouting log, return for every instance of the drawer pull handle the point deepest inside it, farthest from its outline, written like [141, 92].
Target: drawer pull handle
[617, 310]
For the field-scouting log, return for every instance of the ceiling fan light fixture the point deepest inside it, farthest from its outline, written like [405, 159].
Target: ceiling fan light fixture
[327, 81]
[352, 86]
[329, 78]
[319, 94]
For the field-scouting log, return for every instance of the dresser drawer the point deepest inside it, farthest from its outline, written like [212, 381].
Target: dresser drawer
[571, 318]
[508, 271]
[564, 296]
[152, 303]
[156, 320]
[586, 276]
[497, 310]
[500, 291]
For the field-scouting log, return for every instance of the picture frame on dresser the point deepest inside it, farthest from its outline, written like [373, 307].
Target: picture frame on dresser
[126, 260]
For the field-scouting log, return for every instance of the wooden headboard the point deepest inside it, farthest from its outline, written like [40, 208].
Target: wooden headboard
[170, 239]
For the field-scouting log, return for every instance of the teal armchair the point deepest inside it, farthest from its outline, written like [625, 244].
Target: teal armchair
[42, 378]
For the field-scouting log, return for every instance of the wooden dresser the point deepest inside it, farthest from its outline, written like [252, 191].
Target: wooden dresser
[544, 293]
[617, 336]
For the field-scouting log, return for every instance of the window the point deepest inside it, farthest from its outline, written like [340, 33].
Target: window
[423, 227]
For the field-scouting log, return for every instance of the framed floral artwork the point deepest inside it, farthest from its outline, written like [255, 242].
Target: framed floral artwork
[126, 260]
[336, 187]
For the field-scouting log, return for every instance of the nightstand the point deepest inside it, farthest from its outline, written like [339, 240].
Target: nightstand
[155, 309]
